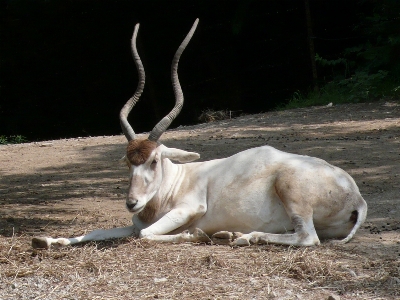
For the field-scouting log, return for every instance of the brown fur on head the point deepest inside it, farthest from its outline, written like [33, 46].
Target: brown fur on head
[138, 151]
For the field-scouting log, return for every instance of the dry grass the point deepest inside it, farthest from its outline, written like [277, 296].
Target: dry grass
[133, 269]
[75, 186]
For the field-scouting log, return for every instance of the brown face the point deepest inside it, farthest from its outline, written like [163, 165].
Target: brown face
[144, 178]
[138, 151]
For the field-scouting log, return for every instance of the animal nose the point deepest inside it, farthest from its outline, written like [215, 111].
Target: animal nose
[131, 203]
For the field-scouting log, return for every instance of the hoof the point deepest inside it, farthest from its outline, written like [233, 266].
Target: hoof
[40, 243]
[201, 236]
[222, 238]
[237, 235]
[241, 242]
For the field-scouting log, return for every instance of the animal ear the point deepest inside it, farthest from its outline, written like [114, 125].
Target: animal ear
[179, 155]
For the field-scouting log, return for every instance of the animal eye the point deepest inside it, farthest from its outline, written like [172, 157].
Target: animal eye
[153, 162]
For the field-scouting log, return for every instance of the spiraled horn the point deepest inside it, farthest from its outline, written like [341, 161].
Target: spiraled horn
[162, 126]
[123, 115]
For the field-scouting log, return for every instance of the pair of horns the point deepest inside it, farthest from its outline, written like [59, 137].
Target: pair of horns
[161, 126]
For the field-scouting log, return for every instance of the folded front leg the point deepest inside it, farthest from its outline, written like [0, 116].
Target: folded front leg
[175, 219]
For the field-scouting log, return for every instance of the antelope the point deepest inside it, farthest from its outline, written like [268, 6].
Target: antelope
[258, 196]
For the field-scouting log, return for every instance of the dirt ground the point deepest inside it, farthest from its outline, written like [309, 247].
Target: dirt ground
[64, 188]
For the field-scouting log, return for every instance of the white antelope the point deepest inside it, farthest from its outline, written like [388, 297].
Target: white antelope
[261, 195]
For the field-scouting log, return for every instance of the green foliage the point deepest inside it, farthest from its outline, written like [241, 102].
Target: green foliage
[13, 139]
[332, 62]
[382, 46]
[361, 87]
[3, 140]
[364, 72]
[325, 96]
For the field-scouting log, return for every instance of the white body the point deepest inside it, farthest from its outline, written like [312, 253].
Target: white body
[267, 195]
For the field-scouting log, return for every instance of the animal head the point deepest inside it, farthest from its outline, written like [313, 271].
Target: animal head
[146, 160]
[145, 156]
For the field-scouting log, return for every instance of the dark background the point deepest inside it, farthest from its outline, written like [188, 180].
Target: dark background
[67, 69]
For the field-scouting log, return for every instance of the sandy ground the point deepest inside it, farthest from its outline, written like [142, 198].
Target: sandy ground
[69, 187]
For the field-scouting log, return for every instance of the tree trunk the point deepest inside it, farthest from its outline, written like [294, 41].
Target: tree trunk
[310, 37]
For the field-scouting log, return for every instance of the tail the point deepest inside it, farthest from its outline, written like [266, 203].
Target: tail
[359, 215]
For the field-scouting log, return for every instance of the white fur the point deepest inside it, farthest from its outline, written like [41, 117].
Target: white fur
[267, 195]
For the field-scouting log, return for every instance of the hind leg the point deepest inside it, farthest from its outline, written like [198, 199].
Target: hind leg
[304, 235]
[300, 213]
